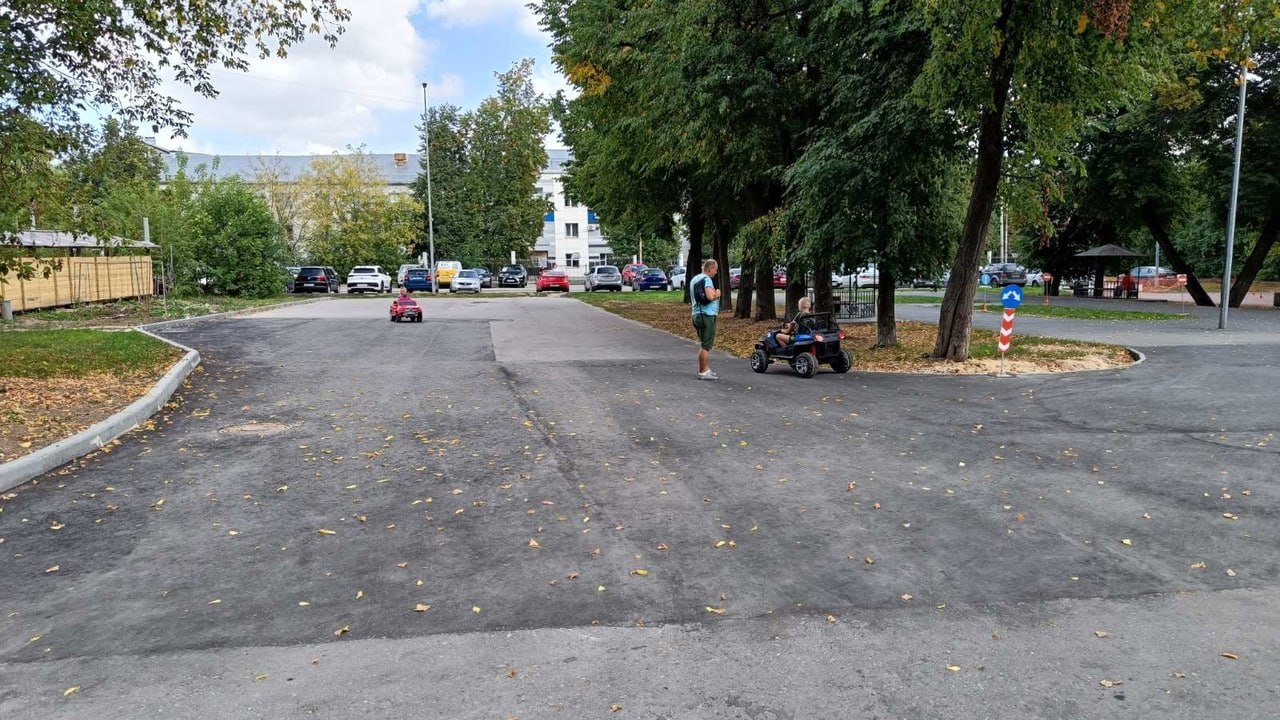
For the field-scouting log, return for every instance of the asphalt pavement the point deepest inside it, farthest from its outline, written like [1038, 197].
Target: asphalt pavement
[528, 507]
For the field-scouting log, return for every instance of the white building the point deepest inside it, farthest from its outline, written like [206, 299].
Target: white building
[571, 237]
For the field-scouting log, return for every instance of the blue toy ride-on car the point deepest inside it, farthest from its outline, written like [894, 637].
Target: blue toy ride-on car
[816, 342]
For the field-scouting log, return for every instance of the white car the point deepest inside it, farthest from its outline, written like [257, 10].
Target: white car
[368, 278]
[868, 276]
[465, 281]
[837, 282]
[678, 279]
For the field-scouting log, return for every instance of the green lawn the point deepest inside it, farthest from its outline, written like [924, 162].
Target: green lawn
[138, 312]
[595, 298]
[76, 353]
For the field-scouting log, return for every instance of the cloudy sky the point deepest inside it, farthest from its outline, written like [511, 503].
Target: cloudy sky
[368, 90]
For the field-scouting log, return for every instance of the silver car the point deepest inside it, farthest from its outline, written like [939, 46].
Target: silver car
[604, 277]
[465, 281]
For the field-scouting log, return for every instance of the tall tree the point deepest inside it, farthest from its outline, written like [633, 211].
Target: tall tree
[1022, 76]
[353, 220]
[240, 249]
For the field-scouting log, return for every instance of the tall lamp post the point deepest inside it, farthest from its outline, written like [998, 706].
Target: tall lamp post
[1225, 298]
[431, 229]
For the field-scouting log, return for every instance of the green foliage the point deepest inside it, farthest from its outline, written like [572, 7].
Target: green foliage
[351, 218]
[237, 242]
[59, 58]
[484, 168]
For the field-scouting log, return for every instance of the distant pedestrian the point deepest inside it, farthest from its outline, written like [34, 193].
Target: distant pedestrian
[706, 306]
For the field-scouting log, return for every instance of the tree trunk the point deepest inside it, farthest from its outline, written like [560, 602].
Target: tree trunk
[1156, 226]
[886, 317]
[955, 321]
[763, 272]
[697, 228]
[822, 283]
[720, 250]
[1258, 256]
[746, 283]
[796, 289]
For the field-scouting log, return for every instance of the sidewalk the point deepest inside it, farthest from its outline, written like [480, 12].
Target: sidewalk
[1245, 326]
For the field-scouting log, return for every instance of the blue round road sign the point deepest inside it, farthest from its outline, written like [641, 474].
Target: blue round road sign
[1011, 297]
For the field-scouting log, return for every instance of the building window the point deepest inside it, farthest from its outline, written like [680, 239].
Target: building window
[569, 200]
[571, 230]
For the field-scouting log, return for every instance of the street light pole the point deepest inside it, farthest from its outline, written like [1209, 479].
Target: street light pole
[431, 229]
[1225, 298]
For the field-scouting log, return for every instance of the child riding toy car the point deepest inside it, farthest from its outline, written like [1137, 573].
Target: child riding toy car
[405, 308]
[808, 341]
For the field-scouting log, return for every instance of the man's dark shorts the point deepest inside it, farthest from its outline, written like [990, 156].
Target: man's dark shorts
[706, 327]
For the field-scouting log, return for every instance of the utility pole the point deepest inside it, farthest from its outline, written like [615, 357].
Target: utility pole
[431, 229]
[1225, 298]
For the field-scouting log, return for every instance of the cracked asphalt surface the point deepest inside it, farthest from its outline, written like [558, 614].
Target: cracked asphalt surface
[531, 508]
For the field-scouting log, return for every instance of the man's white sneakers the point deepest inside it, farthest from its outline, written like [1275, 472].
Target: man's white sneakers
[708, 375]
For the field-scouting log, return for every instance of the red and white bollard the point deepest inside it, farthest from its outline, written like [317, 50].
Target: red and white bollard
[1006, 337]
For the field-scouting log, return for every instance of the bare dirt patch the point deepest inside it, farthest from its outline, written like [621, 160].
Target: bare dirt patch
[915, 342]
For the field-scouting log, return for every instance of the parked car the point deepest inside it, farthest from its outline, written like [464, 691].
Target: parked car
[678, 278]
[416, 278]
[837, 282]
[292, 272]
[316, 278]
[651, 279]
[368, 278]
[465, 281]
[932, 282]
[735, 278]
[486, 277]
[631, 271]
[405, 308]
[779, 277]
[446, 270]
[400, 272]
[604, 277]
[553, 280]
[1150, 273]
[1003, 274]
[513, 276]
[868, 276]
[1035, 278]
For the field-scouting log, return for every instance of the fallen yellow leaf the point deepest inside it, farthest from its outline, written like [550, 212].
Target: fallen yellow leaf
[1127, 541]
[1110, 683]
[475, 609]
[71, 690]
[53, 569]
[25, 445]
[534, 544]
[421, 607]
[324, 531]
[953, 668]
[1101, 633]
[907, 596]
[640, 571]
[344, 630]
[260, 677]
[1229, 656]
[1231, 573]
[716, 610]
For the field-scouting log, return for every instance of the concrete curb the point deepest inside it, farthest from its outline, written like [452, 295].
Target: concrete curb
[28, 467]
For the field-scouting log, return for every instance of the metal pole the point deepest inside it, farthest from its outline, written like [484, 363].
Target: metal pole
[431, 229]
[1225, 298]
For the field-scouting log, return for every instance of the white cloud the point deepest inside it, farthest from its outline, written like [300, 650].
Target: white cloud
[468, 13]
[321, 98]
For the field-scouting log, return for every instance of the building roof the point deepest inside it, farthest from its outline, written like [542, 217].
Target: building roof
[60, 239]
[397, 168]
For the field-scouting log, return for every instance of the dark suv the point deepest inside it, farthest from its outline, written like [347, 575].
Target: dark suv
[513, 276]
[1003, 274]
[316, 278]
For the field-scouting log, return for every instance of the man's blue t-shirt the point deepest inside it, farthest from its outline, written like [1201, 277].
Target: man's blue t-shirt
[712, 307]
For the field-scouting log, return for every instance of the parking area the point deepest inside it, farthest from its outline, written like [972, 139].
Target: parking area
[530, 507]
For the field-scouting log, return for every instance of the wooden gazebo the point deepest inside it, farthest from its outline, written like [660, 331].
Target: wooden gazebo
[87, 269]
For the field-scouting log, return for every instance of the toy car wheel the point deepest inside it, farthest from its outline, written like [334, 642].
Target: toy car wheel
[805, 365]
[843, 362]
[760, 361]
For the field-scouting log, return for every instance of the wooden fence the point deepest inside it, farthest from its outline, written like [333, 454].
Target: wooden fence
[82, 280]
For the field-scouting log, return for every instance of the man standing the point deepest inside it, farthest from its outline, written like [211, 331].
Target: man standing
[706, 305]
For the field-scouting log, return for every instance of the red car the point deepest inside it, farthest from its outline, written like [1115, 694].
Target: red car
[553, 280]
[779, 278]
[631, 271]
[405, 308]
